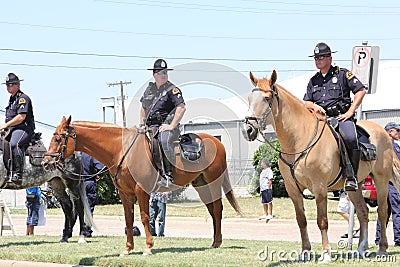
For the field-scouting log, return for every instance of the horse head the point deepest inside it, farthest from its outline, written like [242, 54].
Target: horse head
[59, 148]
[260, 102]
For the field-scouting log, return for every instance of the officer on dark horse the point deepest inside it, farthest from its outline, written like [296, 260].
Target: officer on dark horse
[20, 124]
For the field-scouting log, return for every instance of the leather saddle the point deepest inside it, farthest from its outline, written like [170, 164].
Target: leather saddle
[368, 150]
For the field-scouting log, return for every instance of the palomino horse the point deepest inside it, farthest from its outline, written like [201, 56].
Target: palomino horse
[67, 187]
[126, 153]
[309, 158]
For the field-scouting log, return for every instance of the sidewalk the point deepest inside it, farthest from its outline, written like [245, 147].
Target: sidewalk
[201, 227]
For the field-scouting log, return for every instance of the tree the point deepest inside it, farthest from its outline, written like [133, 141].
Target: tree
[271, 154]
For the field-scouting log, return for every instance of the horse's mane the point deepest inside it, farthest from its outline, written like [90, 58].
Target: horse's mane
[289, 93]
[96, 124]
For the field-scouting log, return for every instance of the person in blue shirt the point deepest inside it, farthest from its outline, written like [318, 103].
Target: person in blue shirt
[91, 167]
[393, 130]
[33, 196]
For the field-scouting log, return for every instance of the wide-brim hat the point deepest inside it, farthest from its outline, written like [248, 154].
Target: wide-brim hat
[160, 64]
[392, 125]
[322, 49]
[12, 78]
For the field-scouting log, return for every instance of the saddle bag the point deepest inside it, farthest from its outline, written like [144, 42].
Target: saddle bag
[191, 147]
[368, 151]
[36, 150]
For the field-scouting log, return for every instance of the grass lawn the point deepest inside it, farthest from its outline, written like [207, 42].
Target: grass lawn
[104, 251]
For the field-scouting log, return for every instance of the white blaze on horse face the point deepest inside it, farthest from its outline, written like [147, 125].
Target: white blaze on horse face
[257, 103]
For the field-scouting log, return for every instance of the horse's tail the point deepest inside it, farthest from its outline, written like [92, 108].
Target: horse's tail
[396, 171]
[88, 217]
[227, 187]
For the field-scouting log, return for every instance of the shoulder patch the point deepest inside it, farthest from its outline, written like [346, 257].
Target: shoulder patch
[21, 101]
[176, 91]
[349, 75]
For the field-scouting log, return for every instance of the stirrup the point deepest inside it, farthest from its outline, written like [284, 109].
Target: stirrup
[350, 184]
[166, 181]
[16, 179]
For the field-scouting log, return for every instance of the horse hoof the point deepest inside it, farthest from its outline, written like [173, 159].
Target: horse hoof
[325, 258]
[381, 253]
[82, 239]
[64, 240]
[147, 252]
[124, 253]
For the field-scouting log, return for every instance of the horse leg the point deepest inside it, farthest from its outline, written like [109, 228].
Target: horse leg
[212, 199]
[382, 194]
[127, 203]
[58, 187]
[362, 214]
[297, 200]
[143, 201]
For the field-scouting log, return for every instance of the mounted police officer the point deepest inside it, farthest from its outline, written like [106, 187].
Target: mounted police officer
[162, 110]
[328, 93]
[21, 125]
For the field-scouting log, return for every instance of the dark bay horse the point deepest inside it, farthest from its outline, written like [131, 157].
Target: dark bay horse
[126, 153]
[310, 159]
[67, 187]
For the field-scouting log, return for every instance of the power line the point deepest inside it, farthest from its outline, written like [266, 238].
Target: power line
[140, 69]
[152, 57]
[241, 9]
[246, 38]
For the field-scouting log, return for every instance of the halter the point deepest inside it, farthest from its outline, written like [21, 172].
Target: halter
[69, 132]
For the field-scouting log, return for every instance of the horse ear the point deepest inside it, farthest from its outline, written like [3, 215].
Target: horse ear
[69, 120]
[253, 79]
[273, 78]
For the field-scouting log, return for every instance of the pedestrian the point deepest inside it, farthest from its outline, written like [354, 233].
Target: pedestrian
[33, 197]
[393, 130]
[20, 124]
[328, 93]
[162, 110]
[344, 210]
[91, 171]
[266, 177]
[158, 208]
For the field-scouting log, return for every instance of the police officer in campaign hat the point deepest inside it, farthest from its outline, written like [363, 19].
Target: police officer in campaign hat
[162, 110]
[21, 125]
[328, 93]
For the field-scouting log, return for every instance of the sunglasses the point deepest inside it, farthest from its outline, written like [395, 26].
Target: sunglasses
[320, 57]
[162, 72]
[10, 84]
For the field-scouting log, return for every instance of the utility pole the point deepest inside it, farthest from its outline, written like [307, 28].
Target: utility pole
[121, 84]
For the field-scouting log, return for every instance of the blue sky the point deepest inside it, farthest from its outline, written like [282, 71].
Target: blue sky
[45, 42]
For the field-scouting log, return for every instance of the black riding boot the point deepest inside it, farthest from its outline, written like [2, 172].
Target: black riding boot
[351, 183]
[18, 169]
[167, 172]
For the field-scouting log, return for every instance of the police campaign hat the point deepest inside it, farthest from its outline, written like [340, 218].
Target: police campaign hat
[322, 49]
[12, 78]
[160, 64]
[392, 125]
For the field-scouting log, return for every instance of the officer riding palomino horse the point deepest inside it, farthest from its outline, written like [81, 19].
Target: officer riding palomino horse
[126, 153]
[310, 158]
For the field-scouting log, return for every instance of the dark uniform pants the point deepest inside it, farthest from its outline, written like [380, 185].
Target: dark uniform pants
[17, 139]
[394, 210]
[348, 131]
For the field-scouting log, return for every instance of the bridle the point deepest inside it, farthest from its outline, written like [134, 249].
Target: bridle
[70, 131]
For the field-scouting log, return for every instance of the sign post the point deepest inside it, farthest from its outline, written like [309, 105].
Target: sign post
[365, 65]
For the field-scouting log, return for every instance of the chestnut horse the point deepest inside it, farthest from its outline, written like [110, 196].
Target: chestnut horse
[309, 158]
[126, 153]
